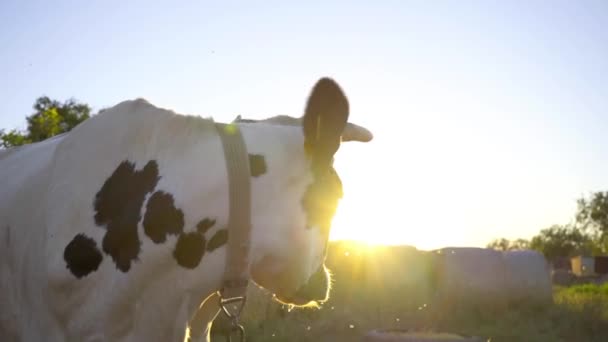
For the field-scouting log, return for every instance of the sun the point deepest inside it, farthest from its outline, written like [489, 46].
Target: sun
[352, 222]
[390, 201]
[370, 223]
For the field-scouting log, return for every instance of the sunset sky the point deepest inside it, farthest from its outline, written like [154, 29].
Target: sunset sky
[490, 118]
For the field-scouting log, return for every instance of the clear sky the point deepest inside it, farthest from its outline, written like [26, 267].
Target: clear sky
[490, 117]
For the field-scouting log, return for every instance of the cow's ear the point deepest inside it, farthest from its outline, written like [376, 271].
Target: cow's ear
[354, 132]
[324, 121]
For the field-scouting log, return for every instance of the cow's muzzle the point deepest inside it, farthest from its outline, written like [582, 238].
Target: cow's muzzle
[315, 291]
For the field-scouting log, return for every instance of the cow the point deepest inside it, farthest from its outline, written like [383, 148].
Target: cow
[117, 230]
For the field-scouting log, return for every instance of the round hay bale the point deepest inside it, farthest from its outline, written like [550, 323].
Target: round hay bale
[562, 277]
[405, 336]
[470, 277]
[528, 277]
[398, 281]
[397, 268]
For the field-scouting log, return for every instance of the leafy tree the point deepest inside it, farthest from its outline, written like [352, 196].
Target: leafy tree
[520, 244]
[592, 217]
[509, 245]
[501, 244]
[50, 118]
[13, 138]
[562, 241]
[592, 212]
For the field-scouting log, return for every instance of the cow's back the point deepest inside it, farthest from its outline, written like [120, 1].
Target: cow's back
[24, 173]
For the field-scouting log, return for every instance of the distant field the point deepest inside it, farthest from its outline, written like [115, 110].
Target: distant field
[579, 313]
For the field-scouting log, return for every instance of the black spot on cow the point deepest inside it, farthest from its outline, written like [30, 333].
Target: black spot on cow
[204, 225]
[257, 165]
[189, 249]
[117, 208]
[162, 217]
[217, 240]
[82, 256]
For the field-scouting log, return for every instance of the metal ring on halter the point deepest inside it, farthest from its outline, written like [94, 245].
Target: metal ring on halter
[234, 317]
[227, 301]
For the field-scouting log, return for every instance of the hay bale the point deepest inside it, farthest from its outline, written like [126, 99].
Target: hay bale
[399, 280]
[471, 278]
[346, 261]
[398, 268]
[528, 277]
[376, 273]
[378, 282]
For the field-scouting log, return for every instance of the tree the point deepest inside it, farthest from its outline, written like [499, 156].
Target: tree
[588, 235]
[509, 245]
[50, 118]
[13, 138]
[562, 241]
[592, 217]
[592, 212]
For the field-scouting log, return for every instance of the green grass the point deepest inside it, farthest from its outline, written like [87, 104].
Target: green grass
[579, 314]
[591, 290]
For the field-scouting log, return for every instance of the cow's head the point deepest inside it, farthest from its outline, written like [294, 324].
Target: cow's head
[296, 191]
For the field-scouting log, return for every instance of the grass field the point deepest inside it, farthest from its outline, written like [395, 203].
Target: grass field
[579, 313]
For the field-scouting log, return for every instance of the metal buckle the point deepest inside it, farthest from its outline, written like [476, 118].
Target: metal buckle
[236, 327]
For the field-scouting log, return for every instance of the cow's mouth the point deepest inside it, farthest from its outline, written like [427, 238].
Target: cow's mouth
[297, 301]
[313, 293]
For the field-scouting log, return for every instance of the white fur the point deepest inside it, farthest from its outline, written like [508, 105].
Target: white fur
[47, 197]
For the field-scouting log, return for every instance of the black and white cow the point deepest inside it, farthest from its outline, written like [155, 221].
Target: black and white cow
[116, 231]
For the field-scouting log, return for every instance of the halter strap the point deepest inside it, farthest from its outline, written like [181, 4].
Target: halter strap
[236, 275]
